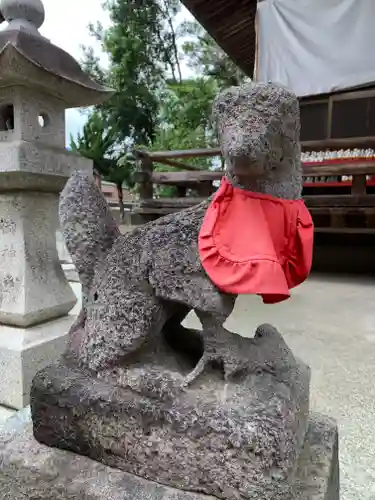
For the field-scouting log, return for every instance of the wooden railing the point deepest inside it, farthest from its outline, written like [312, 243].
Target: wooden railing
[340, 206]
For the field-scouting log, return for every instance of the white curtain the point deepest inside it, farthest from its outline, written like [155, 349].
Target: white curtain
[316, 46]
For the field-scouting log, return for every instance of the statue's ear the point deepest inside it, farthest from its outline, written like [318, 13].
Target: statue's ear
[87, 225]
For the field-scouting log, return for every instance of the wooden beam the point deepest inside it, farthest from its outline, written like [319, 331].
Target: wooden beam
[198, 176]
[166, 157]
[339, 200]
[337, 169]
[170, 202]
[342, 210]
[321, 201]
[185, 178]
[156, 211]
[324, 170]
[345, 230]
[347, 143]
[146, 189]
[186, 153]
[177, 164]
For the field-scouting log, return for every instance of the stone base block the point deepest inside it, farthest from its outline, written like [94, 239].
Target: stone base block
[34, 471]
[25, 351]
[218, 437]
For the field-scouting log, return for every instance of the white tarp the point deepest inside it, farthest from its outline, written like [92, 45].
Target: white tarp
[316, 46]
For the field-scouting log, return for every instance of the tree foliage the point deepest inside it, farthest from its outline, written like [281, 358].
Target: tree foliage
[154, 105]
[184, 120]
[141, 47]
[205, 57]
[96, 143]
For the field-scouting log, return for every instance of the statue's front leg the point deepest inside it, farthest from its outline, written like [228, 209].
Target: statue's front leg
[223, 348]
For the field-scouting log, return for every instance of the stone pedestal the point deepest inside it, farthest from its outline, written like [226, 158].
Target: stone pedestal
[36, 472]
[210, 438]
[38, 82]
[23, 351]
[249, 437]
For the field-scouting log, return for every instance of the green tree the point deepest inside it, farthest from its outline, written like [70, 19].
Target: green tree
[141, 46]
[97, 144]
[205, 57]
[121, 174]
[153, 105]
[185, 122]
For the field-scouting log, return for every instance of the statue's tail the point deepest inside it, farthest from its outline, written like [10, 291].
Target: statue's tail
[87, 225]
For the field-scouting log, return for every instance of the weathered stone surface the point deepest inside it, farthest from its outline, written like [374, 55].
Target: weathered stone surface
[32, 283]
[37, 167]
[24, 351]
[133, 284]
[229, 438]
[209, 412]
[259, 126]
[317, 475]
[33, 471]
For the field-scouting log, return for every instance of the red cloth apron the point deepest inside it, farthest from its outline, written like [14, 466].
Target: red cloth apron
[252, 243]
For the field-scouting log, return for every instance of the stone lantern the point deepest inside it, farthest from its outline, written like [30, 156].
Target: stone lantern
[38, 82]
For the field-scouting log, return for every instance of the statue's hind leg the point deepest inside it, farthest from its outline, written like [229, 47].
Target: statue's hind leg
[123, 345]
[121, 318]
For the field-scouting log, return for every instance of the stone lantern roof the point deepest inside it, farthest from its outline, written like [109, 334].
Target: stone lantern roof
[26, 57]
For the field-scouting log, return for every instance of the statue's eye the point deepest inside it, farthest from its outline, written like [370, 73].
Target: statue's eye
[96, 296]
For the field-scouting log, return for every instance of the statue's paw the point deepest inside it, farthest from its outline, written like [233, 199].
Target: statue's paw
[224, 350]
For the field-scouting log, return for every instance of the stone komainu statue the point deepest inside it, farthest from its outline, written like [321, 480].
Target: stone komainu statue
[138, 283]
[206, 411]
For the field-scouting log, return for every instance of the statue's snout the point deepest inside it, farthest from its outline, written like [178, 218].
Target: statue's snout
[246, 155]
[246, 166]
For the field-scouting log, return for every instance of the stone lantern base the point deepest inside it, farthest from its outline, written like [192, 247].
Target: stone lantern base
[23, 352]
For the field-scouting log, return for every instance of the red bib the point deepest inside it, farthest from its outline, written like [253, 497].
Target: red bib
[252, 243]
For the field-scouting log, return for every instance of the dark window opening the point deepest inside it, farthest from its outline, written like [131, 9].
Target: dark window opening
[6, 117]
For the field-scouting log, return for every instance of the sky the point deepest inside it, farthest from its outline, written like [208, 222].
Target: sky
[66, 25]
